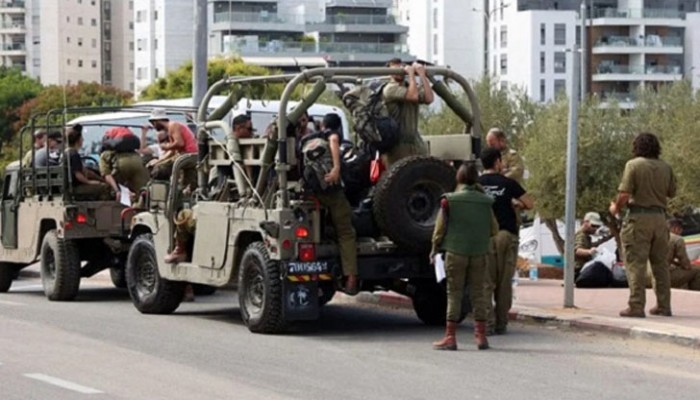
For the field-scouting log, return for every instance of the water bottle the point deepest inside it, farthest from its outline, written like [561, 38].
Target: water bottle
[532, 267]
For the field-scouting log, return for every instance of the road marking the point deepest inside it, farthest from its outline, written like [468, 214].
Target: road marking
[64, 384]
[11, 303]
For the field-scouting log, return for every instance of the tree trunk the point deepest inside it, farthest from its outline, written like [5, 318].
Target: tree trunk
[551, 223]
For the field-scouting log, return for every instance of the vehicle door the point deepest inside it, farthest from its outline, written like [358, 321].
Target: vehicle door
[8, 214]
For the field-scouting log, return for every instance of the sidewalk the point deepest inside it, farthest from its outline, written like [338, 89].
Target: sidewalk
[596, 309]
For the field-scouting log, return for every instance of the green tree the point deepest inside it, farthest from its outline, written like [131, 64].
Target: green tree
[178, 83]
[15, 89]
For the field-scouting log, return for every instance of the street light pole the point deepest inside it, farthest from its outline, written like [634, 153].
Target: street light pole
[571, 163]
[199, 63]
[584, 50]
[487, 20]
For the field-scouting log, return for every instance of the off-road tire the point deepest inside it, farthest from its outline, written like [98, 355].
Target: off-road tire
[407, 200]
[118, 276]
[429, 300]
[60, 267]
[260, 290]
[7, 274]
[327, 293]
[203, 290]
[150, 293]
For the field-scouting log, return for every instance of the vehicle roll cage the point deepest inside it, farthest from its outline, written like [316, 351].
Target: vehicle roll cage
[319, 77]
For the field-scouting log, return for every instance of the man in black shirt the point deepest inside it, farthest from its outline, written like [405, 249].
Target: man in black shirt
[509, 197]
[85, 183]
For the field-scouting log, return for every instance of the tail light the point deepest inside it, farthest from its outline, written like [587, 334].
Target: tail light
[301, 232]
[307, 251]
[81, 218]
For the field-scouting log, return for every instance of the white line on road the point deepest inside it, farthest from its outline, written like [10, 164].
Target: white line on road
[11, 303]
[62, 383]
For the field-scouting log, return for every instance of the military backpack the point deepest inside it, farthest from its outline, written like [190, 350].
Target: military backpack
[373, 123]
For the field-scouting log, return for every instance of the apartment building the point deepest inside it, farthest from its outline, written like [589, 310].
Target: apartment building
[631, 43]
[67, 41]
[447, 32]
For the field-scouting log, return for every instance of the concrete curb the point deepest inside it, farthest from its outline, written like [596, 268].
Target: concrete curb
[582, 322]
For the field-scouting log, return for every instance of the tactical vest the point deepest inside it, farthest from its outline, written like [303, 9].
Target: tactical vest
[318, 162]
[468, 223]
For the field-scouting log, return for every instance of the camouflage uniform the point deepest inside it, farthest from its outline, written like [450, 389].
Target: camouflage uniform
[126, 168]
[341, 216]
[406, 114]
[583, 241]
[645, 235]
[513, 165]
[683, 274]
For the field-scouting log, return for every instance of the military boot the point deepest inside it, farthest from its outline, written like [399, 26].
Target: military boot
[449, 342]
[660, 311]
[480, 335]
[351, 285]
[630, 313]
[178, 255]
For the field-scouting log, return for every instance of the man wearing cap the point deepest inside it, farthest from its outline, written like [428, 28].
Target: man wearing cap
[584, 248]
[52, 156]
[181, 140]
[39, 143]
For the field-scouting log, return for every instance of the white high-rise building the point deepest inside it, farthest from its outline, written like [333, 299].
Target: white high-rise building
[13, 34]
[631, 43]
[447, 32]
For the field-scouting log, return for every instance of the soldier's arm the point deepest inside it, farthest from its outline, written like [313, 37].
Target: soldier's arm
[681, 255]
[672, 186]
[494, 224]
[425, 96]
[581, 248]
[516, 168]
[412, 94]
[440, 228]
[626, 187]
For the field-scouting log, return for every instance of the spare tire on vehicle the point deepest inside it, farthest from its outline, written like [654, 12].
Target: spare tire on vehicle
[407, 199]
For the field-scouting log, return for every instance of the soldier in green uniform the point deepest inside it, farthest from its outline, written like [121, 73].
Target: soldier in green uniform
[513, 165]
[684, 275]
[463, 230]
[124, 169]
[585, 248]
[403, 98]
[647, 184]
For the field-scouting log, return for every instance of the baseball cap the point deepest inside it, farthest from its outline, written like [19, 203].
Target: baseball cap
[593, 218]
[158, 114]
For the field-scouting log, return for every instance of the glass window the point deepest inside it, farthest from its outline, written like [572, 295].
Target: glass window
[94, 64]
[504, 64]
[543, 88]
[80, 63]
[80, 20]
[435, 43]
[543, 62]
[543, 34]
[504, 36]
[559, 86]
[560, 34]
[93, 22]
[504, 85]
[559, 62]
[435, 18]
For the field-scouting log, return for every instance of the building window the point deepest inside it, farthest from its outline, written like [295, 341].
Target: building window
[560, 34]
[559, 86]
[435, 43]
[543, 34]
[94, 43]
[131, 46]
[543, 62]
[80, 20]
[93, 2]
[68, 61]
[80, 63]
[36, 62]
[504, 64]
[155, 15]
[155, 44]
[131, 66]
[80, 42]
[578, 36]
[139, 44]
[93, 22]
[504, 36]
[504, 85]
[559, 62]
[140, 15]
[435, 18]
[94, 64]
[80, 1]
[68, 19]
[501, 7]
[131, 25]
[131, 4]
[495, 43]
[495, 64]
[543, 89]
[68, 39]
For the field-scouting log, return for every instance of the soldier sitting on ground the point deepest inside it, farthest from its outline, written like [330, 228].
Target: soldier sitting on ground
[684, 275]
[585, 248]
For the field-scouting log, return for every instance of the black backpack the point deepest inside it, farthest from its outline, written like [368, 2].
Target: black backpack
[377, 129]
[124, 144]
[596, 275]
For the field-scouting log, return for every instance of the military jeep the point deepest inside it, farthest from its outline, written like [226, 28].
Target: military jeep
[274, 241]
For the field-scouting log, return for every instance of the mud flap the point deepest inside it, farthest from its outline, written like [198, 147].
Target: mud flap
[301, 301]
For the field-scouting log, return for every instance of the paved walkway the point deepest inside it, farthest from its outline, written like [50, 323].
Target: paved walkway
[596, 309]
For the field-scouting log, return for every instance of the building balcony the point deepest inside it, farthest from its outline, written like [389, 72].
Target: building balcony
[623, 100]
[632, 16]
[360, 3]
[611, 73]
[10, 27]
[628, 45]
[260, 21]
[11, 6]
[357, 24]
[337, 51]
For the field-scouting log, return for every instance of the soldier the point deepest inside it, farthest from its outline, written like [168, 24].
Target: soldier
[39, 143]
[513, 166]
[123, 168]
[463, 228]
[403, 97]
[52, 156]
[84, 181]
[683, 273]
[647, 184]
[585, 248]
[504, 246]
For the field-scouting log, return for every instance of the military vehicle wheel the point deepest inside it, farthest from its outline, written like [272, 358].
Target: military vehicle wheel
[118, 276]
[7, 274]
[407, 199]
[260, 290]
[326, 295]
[203, 290]
[430, 302]
[60, 267]
[150, 293]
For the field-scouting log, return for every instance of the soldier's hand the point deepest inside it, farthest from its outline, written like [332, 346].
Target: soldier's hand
[431, 258]
[410, 71]
[419, 68]
[613, 209]
[333, 177]
[145, 127]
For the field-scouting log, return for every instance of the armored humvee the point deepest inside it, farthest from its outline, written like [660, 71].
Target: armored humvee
[276, 242]
[42, 218]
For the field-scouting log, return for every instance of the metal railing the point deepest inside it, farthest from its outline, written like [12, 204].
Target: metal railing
[638, 13]
[12, 4]
[13, 47]
[648, 41]
[638, 69]
[276, 18]
[358, 19]
[13, 25]
[620, 97]
[278, 46]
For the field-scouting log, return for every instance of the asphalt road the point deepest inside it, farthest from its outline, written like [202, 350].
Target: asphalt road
[99, 346]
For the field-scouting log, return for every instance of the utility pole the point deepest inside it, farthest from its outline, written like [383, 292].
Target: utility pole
[571, 162]
[584, 50]
[199, 63]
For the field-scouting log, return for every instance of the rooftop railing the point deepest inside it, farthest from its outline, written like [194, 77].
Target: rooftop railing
[648, 41]
[638, 13]
[638, 69]
[278, 46]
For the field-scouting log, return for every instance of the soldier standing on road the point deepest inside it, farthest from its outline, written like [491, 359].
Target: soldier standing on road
[647, 184]
[585, 248]
[513, 165]
[509, 197]
[463, 230]
[403, 98]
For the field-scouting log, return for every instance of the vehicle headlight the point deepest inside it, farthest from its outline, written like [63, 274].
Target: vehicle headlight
[529, 246]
